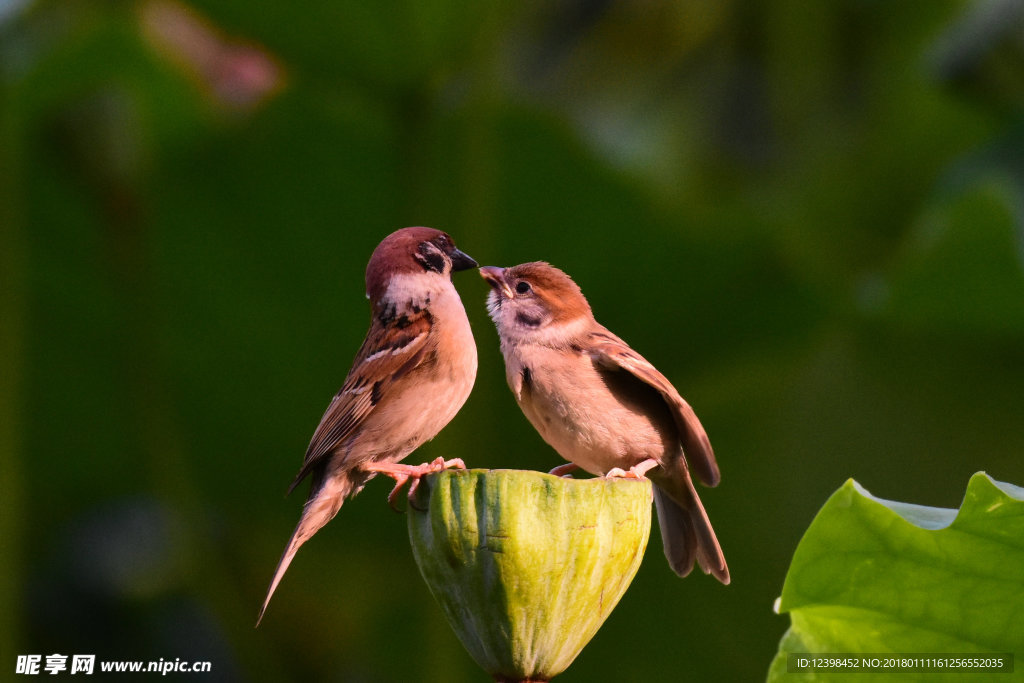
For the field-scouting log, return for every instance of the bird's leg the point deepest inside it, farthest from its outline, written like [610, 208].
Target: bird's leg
[438, 464]
[403, 473]
[637, 471]
[564, 470]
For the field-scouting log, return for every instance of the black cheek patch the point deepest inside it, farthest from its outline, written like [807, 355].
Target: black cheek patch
[528, 320]
[430, 257]
[527, 379]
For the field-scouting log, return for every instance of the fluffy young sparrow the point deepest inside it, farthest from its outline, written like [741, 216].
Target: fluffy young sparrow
[413, 372]
[602, 406]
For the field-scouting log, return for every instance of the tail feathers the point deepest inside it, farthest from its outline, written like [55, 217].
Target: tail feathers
[320, 509]
[686, 535]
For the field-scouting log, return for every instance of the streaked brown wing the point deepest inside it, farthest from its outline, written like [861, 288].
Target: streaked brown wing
[388, 352]
[610, 352]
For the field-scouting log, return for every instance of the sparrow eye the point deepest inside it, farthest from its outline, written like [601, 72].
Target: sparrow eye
[523, 287]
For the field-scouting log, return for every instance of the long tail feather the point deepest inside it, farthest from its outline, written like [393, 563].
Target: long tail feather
[687, 535]
[321, 507]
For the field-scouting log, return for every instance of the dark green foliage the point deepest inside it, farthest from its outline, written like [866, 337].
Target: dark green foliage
[809, 217]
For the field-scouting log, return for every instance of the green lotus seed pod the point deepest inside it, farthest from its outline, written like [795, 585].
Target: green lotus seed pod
[525, 565]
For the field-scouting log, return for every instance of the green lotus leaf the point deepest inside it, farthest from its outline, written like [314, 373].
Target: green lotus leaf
[878, 576]
[527, 566]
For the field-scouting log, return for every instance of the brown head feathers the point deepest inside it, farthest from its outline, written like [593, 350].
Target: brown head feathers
[407, 250]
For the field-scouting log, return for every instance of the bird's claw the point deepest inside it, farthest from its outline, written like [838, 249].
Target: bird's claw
[400, 481]
[635, 472]
[403, 473]
[564, 470]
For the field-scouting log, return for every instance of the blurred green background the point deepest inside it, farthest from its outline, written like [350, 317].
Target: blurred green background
[810, 216]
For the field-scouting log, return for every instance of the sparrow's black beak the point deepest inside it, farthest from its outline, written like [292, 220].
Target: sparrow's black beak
[461, 261]
[496, 279]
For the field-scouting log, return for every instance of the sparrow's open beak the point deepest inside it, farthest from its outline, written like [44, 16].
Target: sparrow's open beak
[461, 260]
[496, 279]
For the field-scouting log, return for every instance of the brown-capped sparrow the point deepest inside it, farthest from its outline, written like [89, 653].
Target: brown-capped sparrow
[602, 406]
[413, 372]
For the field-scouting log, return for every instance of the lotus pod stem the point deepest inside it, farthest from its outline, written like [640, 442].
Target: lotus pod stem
[527, 566]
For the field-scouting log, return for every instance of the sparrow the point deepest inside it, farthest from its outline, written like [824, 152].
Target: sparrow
[410, 377]
[602, 406]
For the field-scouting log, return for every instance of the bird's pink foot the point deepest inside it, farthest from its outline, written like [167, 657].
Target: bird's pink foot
[564, 470]
[403, 473]
[635, 472]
